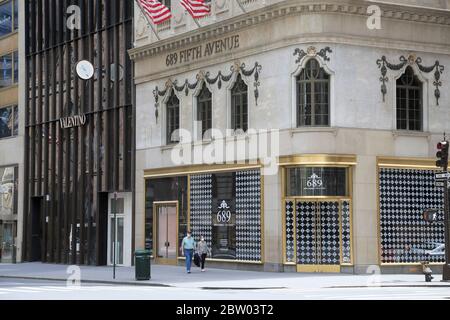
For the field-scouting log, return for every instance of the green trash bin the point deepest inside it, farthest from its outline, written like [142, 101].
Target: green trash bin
[142, 265]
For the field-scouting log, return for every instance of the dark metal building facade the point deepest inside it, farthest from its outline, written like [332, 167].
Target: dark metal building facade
[70, 172]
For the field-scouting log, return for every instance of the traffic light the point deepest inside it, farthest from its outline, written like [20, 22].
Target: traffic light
[442, 155]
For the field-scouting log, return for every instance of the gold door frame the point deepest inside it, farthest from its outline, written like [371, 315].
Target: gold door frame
[319, 161]
[321, 267]
[156, 205]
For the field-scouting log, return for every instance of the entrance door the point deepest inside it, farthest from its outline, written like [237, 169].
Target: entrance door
[166, 218]
[323, 240]
[116, 231]
[36, 229]
[7, 242]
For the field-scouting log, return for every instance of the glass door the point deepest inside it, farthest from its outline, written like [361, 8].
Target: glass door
[7, 242]
[319, 235]
[166, 217]
[116, 231]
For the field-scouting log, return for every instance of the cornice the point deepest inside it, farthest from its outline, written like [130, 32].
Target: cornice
[285, 9]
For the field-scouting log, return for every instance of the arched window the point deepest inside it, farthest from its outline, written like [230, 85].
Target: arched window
[409, 101]
[239, 105]
[313, 96]
[204, 109]
[172, 118]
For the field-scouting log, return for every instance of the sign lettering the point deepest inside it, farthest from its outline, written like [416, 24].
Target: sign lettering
[203, 51]
[73, 121]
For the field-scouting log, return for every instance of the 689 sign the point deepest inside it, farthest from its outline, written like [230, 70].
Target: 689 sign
[224, 216]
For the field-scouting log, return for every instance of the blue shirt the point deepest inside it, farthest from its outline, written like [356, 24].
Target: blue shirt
[188, 243]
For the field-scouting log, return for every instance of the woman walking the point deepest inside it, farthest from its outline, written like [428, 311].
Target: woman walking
[203, 250]
[187, 248]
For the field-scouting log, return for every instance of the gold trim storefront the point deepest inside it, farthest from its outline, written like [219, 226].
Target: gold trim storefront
[317, 197]
[406, 188]
[223, 203]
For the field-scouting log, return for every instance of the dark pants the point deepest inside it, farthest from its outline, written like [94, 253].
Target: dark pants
[188, 253]
[203, 260]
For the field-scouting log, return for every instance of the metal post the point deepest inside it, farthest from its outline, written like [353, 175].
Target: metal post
[446, 271]
[114, 235]
[446, 268]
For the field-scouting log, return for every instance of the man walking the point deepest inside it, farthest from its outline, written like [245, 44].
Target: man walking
[187, 247]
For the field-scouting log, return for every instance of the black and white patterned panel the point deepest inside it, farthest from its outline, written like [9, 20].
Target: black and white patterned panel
[329, 230]
[201, 207]
[290, 240]
[405, 236]
[306, 233]
[248, 215]
[346, 233]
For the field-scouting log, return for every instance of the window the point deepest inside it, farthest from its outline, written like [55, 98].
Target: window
[9, 21]
[204, 109]
[9, 122]
[239, 105]
[9, 65]
[313, 96]
[173, 118]
[8, 190]
[317, 181]
[409, 102]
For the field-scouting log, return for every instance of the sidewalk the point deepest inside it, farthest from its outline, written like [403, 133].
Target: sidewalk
[172, 276]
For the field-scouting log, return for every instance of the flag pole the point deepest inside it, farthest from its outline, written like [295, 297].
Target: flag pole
[148, 21]
[241, 6]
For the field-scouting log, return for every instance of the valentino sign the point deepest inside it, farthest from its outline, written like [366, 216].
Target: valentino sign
[73, 121]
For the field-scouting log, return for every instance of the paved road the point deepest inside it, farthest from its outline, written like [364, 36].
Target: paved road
[12, 289]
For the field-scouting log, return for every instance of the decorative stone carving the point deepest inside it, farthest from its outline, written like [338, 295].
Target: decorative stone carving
[384, 65]
[312, 52]
[237, 67]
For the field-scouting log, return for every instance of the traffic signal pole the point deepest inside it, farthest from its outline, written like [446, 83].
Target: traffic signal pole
[446, 271]
[442, 162]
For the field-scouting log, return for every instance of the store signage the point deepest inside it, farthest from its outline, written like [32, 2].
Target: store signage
[224, 215]
[73, 121]
[442, 176]
[314, 183]
[442, 184]
[210, 49]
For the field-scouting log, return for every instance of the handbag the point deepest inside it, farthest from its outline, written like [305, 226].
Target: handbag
[197, 259]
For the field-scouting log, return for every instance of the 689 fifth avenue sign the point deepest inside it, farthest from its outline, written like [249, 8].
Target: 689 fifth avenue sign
[203, 51]
[224, 216]
[73, 121]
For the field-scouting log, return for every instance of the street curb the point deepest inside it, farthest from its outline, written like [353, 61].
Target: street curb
[392, 286]
[122, 283]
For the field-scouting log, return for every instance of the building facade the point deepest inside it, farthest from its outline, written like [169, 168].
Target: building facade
[79, 132]
[11, 133]
[354, 113]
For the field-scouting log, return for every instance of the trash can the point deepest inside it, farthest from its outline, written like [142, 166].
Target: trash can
[142, 265]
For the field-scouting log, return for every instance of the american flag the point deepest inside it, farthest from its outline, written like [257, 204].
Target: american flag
[197, 8]
[155, 11]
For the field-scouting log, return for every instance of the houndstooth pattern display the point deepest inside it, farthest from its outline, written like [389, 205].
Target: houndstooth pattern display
[248, 215]
[201, 207]
[346, 233]
[329, 242]
[290, 240]
[306, 233]
[405, 236]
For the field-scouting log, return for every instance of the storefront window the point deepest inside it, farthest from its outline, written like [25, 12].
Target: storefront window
[405, 236]
[223, 216]
[8, 190]
[316, 181]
